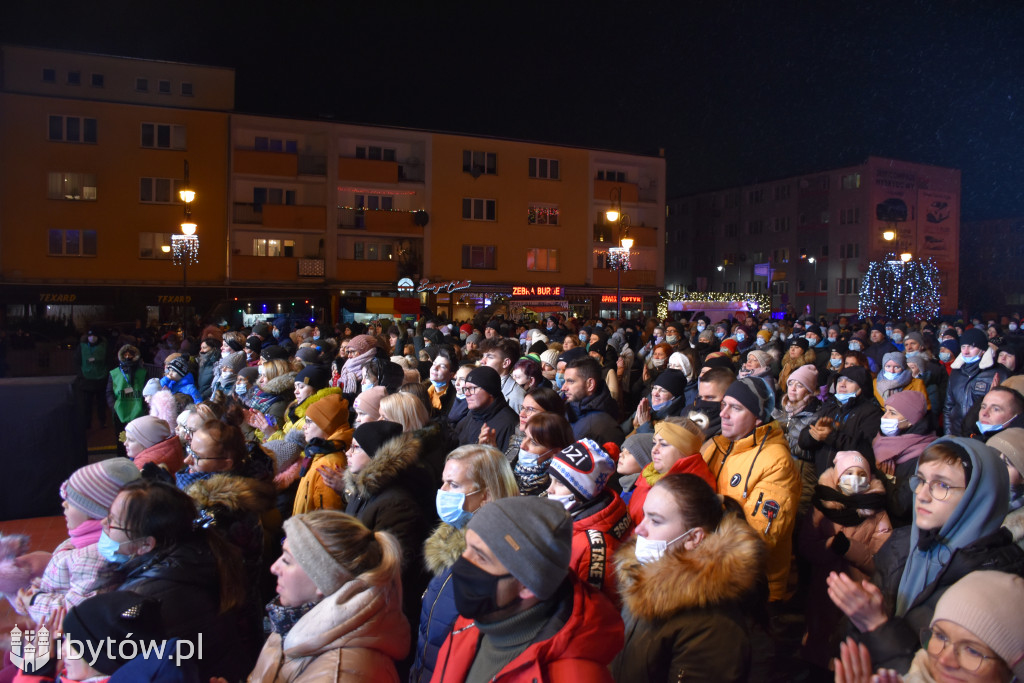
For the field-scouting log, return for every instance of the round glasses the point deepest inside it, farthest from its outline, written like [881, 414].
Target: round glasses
[936, 489]
[967, 656]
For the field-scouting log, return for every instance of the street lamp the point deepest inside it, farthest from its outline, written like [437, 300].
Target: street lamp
[186, 245]
[906, 256]
[619, 256]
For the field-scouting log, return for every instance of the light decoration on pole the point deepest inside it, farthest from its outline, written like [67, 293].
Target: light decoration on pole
[901, 287]
[186, 245]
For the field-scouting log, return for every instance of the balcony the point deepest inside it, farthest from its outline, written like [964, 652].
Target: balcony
[642, 235]
[367, 170]
[286, 216]
[274, 268]
[266, 163]
[379, 221]
[350, 270]
[603, 191]
[630, 278]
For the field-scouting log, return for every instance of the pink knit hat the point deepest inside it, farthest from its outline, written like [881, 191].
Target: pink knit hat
[846, 459]
[807, 375]
[910, 404]
[93, 488]
[369, 402]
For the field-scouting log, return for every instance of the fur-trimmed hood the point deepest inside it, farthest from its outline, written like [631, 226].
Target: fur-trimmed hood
[443, 548]
[726, 567]
[392, 460]
[121, 352]
[234, 493]
[281, 384]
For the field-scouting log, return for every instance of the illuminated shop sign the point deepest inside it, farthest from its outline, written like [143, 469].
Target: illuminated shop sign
[448, 286]
[538, 290]
[611, 299]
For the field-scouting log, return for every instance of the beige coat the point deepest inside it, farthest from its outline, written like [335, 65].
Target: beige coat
[352, 636]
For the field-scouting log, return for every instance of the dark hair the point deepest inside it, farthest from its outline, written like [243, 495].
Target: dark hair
[722, 377]
[698, 503]
[531, 369]
[949, 453]
[859, 356]
[550, 430]
[227, 439]
[548, 399]
[587, 368]
[1015, 398]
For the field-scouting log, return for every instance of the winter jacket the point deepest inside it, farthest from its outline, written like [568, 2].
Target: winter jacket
[437, 440]
[596, 417]
[438, 613]
[313, 492]
[599, 527]
[915, 384]
[691, 464]
[274, 396]
[394, 493]
[512, 392]
[793, 424]
[351, 636]
[687, 613]
[757, 471]
[876, 352]
[577, 644]
[70, 577]
[207, 365]
[186, 385]
[498, 416]
[124, 392]
[168, 453]
[968, 384]
[855, 425]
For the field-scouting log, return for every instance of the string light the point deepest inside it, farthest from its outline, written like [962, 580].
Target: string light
[754, 302]
[618, 258]
[905, 290]
[186, 249]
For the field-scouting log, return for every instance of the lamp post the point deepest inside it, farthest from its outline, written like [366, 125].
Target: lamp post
[186, 245]
[619, 256]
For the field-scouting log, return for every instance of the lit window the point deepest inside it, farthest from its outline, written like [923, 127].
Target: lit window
[72, 186]
[543, 214]
[542, 259]
[478, 256]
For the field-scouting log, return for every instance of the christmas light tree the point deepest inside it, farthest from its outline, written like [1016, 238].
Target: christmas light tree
[897, 289]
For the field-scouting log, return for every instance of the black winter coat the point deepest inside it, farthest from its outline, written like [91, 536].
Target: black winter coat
[596, 417]
[855, 426]
[968, 384]
[498, 416]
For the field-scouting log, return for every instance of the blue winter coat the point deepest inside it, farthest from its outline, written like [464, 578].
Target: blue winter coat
[438, 613]
[185, 385]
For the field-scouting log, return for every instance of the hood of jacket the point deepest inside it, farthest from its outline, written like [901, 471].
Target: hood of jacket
[607, 513]
[280, 384]
[128, 348]
[357, 615]
[392, 460]
[234, 493]
[725, 567]
[988, 359]
[443, 548]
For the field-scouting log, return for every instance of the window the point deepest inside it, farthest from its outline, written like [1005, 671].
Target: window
[825, 217]
[479, 163]
[71, 243]
[849, 216]
[72, 129]
[375, 153]
[781, 192]
[780, 255]
[186, 89]
[97, 81]
[780, 224]
[823, 285]
[732, 230]
[849, 285]
[142, 84]
[159, 190]
[270, 247]
[782, 287]
[375, 202]
[49, 75]
[542, 259]
[163, 87]
[73, 186]
[612, 175]
[801, 286]
[163, 136]
[74, 78]
[849, 250]
[152, 244]
[543, 168]
[265, 144]
[272, 195]
[373, 251]
[851, 181]
[543, 214]
[478, 256]
[755, 196]
[824, 251]
[479, 209]
[755, 227]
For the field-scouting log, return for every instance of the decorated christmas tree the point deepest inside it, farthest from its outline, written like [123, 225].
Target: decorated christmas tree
[897, 289]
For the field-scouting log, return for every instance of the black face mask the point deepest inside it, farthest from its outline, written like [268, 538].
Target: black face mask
[127, 363]
[709, 408]
[476, 591]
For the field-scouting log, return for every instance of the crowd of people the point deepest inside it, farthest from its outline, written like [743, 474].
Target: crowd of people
[557, 500]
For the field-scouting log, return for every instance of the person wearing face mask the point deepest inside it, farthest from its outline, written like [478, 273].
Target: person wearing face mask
[549, 365]
[125, 385]
[232, 359]
[690, 581]
[600, 521]
[847, 421]
[896, 377]
[667, 398]
[473, 477]
[1009, 443]
[657, 363]
[523, 615]
[905, 430]
[847, 527]
[1001, 408]
[540, 400]
[711, 387]
[545, 434]
[830, 370]
[800, 404]
[971, 375]
[92, 364]
[675, 334]
[245, 384]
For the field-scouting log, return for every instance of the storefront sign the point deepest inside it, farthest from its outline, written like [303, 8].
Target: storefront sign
[406, 286]
[58, 298]
[611, 299]
[167, 299]
[538, 290]
[446, 285]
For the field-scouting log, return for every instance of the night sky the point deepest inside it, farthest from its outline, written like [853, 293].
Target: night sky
[735, 92]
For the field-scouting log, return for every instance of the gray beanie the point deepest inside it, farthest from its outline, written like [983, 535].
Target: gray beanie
[234, 361]
[531, 536]
[639, 446]
[474, 338]
[754, 395]
[148, 430]
[285, 451]
[895, 356]
[152, 386]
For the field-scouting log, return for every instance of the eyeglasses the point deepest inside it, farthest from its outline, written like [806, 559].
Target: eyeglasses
[107, 526]
[936, 489]
[967, 656]
[196, 457]
[527, 410]
[469, 389]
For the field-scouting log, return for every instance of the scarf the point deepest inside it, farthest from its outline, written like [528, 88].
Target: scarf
[86, 533]
[901, 448]
[352, 372]
[532, 479]
[848, 512]
[262, 400]
[283, 619]
[317, 448]
[186, 479]
[888, 387]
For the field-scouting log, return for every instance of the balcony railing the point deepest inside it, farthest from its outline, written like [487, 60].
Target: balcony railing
[311, 267]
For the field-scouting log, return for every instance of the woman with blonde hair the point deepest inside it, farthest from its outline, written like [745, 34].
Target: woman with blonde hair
[405, 409]
[474, 475]
[436, 438]
[338, 613]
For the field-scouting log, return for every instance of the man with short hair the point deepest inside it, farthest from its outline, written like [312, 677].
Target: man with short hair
[487, 410]
[1001, 408]
[711, 389]
[590, 408]
[500, 355]
[524, 615]
[880, 345]
[752, 464]
[971, 375]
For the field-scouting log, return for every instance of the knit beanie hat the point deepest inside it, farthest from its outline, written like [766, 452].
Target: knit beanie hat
[762, 358]
[914, 336]
[93, 488]
[329, 413]
[284, 451]
[896, 357]
[844, 460]
[801, 342]
[326, 572]
[114, 617]
[152, 386]
[369, 402]
[372, 435]
[249, 374]
[766, 335]
[754, 395]
[1009, 442]
[235, 345]
[315, 376]
[584, 467]
[672, 381]
[718, 360]
[640, 445]
[274, 352]
[487, 379]
[148, 430]
[572, 354]
[261, 329]
[987, 603]
[685, 438]
[179, 365]
[362, 343]
[857, 374]
[974, 337]
[681, 360]
[474, 338]
[550, 357]
[531, 536]
[910, 404]
[234, 362]
[307, 355]
[254, 344]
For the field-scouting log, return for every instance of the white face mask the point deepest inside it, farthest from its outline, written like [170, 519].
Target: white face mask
[527, 458]
[852, 484]
[658, 362]
[648, 551]
[889, 426]
[566, 501]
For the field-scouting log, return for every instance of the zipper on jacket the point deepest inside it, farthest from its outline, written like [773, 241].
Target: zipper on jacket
[430, 617]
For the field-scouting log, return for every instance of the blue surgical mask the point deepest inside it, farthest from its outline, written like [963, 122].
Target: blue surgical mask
[720, 335]
[559, 379]
[889, 426]
[945, 356]
[835, 362]
[740, 336]
[672, 339]
[241, 388]
[974, 359]
[316, 337]
[985, 429]
[855, 346]
[844, 398]
[890, 375]
[700, 328]
[367, 386]
[658, 406]
[832, 340]
[277, 333]
[527, 458]
[450, 508]
[583, 336]
[897, 337]
[108, 549]
[439, 386]
[760, 341]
